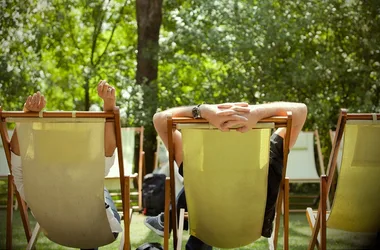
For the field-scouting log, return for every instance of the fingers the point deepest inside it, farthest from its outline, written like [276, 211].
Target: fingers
[28, 100]
[42, 102]
[101, 86]
[35, 103]
[241, 104]
[243, 129]
[105, 90]
[233, 111]
[225, 106]
[232, 124]
[241, 109]
[229, 105]
[226, 112]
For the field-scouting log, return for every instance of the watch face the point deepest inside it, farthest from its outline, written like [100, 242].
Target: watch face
[196, 112]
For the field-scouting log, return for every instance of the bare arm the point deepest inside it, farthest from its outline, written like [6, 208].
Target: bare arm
[299, 114]
[34, 103]
[107, 93]
[209, 112]
[160, 124]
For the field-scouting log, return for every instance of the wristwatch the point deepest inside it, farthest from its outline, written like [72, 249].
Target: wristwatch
[196, 111]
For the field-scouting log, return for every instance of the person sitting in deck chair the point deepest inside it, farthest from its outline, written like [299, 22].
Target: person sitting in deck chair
[224, 117]
[36, 103]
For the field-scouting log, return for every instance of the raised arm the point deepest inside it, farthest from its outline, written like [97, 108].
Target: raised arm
[33, 103]
[108, 94]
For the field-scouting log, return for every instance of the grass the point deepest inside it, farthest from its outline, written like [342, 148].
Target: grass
[299, 232]
[299, 235]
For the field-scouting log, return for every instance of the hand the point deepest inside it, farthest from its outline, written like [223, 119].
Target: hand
[251, 120]
[229, 105]
[219, 115]
[35, 103]
[234, 108]
[108, 94]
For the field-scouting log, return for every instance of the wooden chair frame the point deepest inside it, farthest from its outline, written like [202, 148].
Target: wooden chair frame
[283, 196]
[327, 181]
[141, 165]
[4, 175]
[124, 182]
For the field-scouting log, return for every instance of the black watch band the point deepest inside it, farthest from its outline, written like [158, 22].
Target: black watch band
[196, 111]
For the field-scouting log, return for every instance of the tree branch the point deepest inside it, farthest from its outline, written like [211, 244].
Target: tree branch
[113, 31]
[97, 29]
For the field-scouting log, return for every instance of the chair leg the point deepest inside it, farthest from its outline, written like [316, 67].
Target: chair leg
[320, 221]
[277, 218]
[9, 212]
[24, 216]
[311, 220]
[286, 214]
[126, 212]
[167, 214]
[140, 179]
[122, 239]
[180, 228]
[323, 211]
[33, 239]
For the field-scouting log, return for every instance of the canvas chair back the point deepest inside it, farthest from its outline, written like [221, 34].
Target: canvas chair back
[68, 157]
[302, 165]
[225, 176]
[226, 171]
[128, 140]
[356, 203]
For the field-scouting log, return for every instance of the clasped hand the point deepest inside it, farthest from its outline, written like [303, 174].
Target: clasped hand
[230, 115]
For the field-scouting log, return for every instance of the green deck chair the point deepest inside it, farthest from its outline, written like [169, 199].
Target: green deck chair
[63, 172]
[356, 205]
[225, 178]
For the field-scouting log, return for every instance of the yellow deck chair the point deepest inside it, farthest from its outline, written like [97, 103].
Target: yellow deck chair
[128, 135]
[63, 172]
[225, 182]
[356, 206]
[302, 164]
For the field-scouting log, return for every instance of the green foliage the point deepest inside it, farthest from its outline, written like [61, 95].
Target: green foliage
[323, 53]
[73, 44]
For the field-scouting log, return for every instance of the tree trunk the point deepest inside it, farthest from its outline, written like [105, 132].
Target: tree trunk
[149, 17]
[87, 94]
